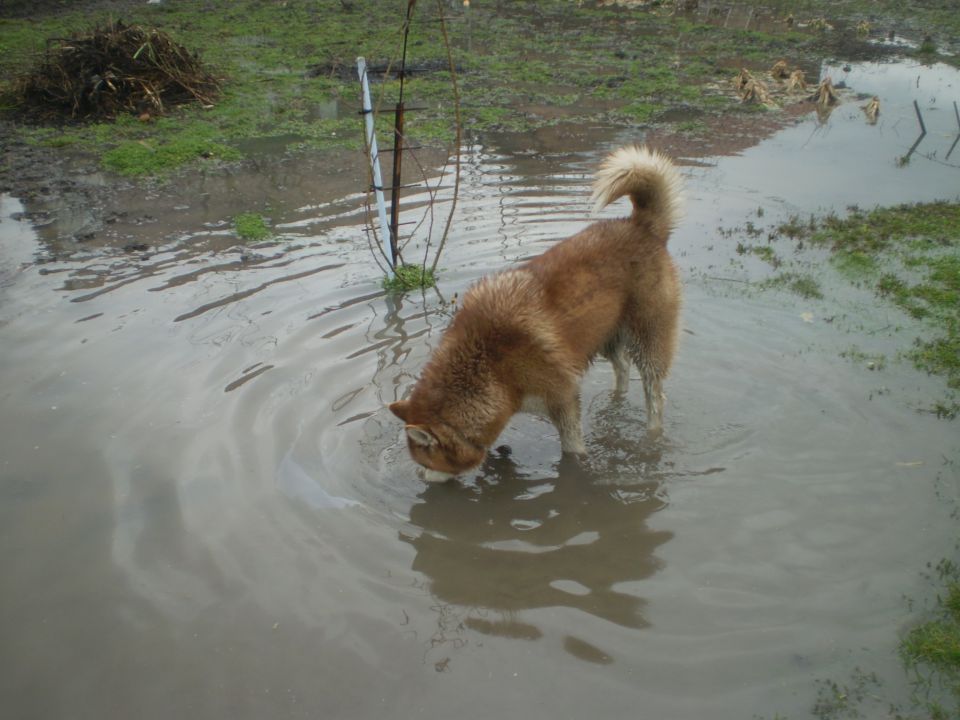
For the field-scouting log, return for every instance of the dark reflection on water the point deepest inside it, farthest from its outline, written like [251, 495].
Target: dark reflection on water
[509, 542]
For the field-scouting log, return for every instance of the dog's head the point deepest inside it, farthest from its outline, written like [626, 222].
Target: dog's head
[436, 446]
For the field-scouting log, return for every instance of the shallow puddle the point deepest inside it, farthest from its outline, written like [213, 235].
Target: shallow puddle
[205, 510]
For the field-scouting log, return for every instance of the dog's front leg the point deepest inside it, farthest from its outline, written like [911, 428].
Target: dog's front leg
[564, 411]
[621, 372]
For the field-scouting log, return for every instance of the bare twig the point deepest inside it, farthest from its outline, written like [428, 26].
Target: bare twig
[459, 135]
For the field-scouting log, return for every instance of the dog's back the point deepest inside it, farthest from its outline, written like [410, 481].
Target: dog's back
[531, 332]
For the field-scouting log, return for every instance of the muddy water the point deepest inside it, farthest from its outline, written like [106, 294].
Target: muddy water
[206, 512]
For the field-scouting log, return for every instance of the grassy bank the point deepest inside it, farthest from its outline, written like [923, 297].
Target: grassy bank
[910, 257]
[288, 68]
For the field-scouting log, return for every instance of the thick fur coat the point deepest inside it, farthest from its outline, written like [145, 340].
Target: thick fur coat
[524, 337]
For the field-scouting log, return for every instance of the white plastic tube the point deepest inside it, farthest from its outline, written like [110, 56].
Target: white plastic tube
[374, 160]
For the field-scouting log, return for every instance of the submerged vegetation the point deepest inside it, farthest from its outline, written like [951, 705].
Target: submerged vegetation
[910, 256]
[907, 256]
[806, 286]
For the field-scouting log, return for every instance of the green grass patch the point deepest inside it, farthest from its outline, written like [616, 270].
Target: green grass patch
[252, 227]
[410, 277]
[152, 156]
[924, 226]
[855, 265]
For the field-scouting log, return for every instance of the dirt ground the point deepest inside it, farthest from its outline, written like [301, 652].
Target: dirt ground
[76, 206]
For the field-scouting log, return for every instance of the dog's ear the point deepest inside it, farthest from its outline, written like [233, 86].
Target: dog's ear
[421, 435]
[400, 408]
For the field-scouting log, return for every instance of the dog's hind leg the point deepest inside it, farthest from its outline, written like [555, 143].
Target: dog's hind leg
[564, 410]
[616, 352]
[653, 356]
[655, 398]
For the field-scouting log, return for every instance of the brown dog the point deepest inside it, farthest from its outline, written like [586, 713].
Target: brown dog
[524, 337]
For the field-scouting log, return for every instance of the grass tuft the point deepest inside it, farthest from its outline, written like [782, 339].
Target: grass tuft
[142, 158]
[252, 227]
[410, 277]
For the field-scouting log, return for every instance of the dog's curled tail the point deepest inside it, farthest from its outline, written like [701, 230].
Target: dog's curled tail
[648, 177]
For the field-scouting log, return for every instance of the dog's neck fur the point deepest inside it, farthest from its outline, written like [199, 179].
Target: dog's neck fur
[461, 388]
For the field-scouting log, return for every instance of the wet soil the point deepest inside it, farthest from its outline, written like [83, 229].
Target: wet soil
[79, 207]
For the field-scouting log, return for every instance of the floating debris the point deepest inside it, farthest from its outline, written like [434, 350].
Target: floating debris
[115, 68]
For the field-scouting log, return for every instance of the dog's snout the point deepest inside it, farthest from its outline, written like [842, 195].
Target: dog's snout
[434, 476]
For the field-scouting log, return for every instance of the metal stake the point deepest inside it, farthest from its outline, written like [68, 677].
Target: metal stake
[395, 189]
[389, 249]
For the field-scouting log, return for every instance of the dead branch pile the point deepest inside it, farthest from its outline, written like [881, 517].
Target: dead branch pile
[113, 69]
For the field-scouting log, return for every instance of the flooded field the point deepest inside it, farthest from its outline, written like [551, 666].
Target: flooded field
[206, 511]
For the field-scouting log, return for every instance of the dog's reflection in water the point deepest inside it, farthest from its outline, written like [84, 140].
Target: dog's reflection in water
[509, 543]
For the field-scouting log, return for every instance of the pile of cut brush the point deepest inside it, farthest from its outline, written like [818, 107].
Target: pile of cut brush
[115, 68]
